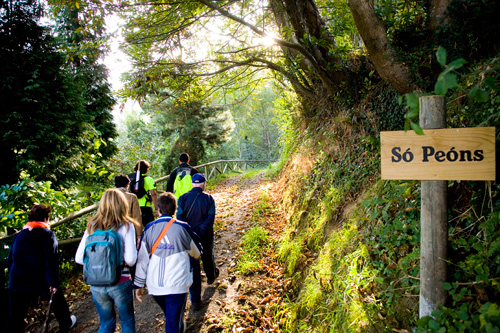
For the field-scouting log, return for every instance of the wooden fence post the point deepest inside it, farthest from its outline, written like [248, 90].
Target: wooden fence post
[433, 220]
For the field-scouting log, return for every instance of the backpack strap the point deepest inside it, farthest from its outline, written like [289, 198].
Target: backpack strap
[163, 232]
[187, 215]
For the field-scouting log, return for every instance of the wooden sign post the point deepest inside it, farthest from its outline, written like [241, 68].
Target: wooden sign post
[441, 154]
[433, 220]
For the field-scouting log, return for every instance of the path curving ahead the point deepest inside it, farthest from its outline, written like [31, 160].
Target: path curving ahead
[233, 302]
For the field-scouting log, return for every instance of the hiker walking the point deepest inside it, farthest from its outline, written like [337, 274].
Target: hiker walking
[113, 228]
[122, 183]
[197, 208]
[144, 187]
[34, 272]
[163, 263]
[179, 181]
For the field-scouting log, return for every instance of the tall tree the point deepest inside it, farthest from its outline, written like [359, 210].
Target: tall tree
[194, 126]
[52, 115]
[85, 50]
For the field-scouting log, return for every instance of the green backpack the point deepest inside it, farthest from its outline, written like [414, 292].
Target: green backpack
[182, 182]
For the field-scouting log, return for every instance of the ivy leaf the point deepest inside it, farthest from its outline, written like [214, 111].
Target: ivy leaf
[463, 315]
[407, 125]
[441, 56]
[450, 80]
[424, 321]
[415, 127]
[440, 86]
[412, 101]
[444, 82]
[433, 325]
[446, 286]
[455, 64]
[477, 94]
[490, 82]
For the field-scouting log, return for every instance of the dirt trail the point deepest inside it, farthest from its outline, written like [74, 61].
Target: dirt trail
[232, 303]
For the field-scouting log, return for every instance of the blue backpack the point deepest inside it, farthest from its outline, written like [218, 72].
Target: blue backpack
[102, 258]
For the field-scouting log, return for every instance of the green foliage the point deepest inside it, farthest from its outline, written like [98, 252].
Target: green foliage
[256, 239]
[252, 244]
[255, 135]
[446, 79]
[474, 268]
[480, 107]
[413, 105]
[475, 34]
[340, 24]
[55, 111]
[462, 319]
[16, 201]
[141, 138]
[197, 127]
[288, 115]
[391, 233]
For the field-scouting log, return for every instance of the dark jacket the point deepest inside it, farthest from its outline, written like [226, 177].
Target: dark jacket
[173, 175]
[33, 263]
[197, 208]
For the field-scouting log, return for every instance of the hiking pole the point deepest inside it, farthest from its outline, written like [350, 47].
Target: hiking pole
[45, 327]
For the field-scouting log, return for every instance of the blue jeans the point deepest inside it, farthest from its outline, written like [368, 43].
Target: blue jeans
[106, 297]
[173, 307]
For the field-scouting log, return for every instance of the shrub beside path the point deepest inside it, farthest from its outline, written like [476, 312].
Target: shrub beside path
[235, 302]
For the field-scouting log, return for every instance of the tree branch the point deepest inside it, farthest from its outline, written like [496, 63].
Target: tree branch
[374, 35]
[329, 84]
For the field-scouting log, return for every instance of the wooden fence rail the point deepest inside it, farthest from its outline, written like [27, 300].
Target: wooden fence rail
[211, 169]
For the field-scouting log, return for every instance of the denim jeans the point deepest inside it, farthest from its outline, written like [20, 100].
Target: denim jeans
[106, 297]
[173, 307]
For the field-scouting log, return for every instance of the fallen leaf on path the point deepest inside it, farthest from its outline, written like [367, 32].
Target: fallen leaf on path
[267, 299]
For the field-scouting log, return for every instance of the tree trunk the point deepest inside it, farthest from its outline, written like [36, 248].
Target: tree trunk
[302, 18]
[437, 14]
[374, 35]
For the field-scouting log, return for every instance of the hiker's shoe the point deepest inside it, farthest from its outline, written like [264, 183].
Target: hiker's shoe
[210, 281]
[73, 321]
[196, 306]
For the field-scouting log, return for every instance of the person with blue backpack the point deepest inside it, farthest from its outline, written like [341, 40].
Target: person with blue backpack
[107, 250]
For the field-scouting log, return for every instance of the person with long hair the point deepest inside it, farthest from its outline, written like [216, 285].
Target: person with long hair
[113, 214]
[34, 271]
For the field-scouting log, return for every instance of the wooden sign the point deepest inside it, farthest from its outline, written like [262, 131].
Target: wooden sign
[439, 154]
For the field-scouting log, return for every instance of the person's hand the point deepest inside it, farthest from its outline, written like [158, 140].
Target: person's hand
[138, 295]
[52, 290]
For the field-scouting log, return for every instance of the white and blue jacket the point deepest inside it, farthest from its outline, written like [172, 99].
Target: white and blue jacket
[168, 270]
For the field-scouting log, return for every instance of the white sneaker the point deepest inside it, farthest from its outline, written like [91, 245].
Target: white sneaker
[73, 321]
